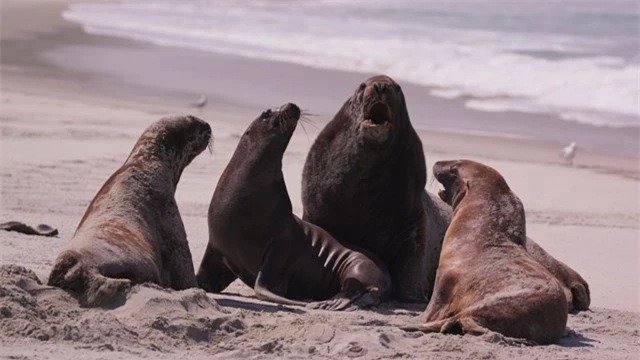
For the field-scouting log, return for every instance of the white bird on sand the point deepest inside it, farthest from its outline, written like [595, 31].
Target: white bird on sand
[202, 102]
[569, 152]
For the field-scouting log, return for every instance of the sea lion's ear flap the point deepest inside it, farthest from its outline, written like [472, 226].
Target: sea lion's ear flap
[466, 183]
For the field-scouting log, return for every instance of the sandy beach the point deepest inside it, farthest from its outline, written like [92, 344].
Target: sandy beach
[72, 106]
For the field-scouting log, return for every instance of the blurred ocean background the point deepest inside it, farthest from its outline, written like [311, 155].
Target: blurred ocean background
[576, 59]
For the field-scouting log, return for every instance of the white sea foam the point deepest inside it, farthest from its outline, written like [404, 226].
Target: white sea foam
[402, 40]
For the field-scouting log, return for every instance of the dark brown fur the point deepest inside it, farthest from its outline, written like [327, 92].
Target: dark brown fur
[364, 180]
[131, 231]
[486, 280]
[254, 235]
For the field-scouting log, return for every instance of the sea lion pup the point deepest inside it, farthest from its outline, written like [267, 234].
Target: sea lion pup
[486, 280]
[132, 231]
[253, 232]
[364, 182]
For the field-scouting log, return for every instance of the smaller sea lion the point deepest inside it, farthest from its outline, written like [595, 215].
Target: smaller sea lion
[254, 233]
[486, 280]
[132, 231]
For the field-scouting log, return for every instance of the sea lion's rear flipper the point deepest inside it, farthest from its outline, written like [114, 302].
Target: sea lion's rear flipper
[263, 292]
[469, 325]
[581, 296]
[213, 274]
[432, 326]
[42, 229]
[70, 273]
[102, 290]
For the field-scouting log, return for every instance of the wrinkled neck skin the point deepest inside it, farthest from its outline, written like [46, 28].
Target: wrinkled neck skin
[490, 208]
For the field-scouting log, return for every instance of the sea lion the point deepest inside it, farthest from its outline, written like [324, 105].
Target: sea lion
[132, 231]
[364, 182]
[253, 232]
[486, 280]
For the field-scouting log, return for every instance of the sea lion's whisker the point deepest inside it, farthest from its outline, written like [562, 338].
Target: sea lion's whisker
[304, 119]
[304, 130]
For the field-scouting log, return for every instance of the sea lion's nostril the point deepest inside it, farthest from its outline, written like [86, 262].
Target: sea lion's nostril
[380, 88]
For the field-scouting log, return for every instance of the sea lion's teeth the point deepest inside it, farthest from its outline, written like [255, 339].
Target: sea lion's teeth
[369, 123]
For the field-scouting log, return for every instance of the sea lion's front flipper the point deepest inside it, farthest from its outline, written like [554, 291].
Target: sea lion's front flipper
[263, 292]
[214, 275]
[353, 295]
[341, 301]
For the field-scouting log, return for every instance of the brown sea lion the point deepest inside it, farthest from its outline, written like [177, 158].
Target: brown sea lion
[253, 232]
[132, 231]
[364, 182]
[486, 280]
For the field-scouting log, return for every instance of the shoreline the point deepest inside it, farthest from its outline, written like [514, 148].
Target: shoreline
[120, 68]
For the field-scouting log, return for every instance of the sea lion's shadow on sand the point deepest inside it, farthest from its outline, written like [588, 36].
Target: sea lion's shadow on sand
[574, 339]
[255, 306]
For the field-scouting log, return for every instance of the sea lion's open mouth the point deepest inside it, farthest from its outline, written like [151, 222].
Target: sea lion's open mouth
[447, 181]
[446, 195]
[376, 124]
[377, 114]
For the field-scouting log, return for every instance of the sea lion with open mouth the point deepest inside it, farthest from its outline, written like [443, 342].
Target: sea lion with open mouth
[486, 280]
[364, 182]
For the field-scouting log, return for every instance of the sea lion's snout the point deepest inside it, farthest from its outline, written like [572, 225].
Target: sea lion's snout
[378, 98]
[377, 89]
[202, 132]
[288, 115]
[290, 111]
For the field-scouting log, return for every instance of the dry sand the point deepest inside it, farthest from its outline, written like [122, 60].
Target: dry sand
[61, 139]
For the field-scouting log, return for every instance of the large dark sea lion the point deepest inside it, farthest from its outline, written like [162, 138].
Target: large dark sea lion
[253, 232]
[132, 231]
[486, 280]
[364, 182]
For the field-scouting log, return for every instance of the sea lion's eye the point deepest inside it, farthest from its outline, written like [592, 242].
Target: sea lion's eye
[453, 170]
[362, 86]
[266, 114]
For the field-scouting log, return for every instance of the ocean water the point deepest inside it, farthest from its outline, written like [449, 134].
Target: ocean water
[578, 59]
